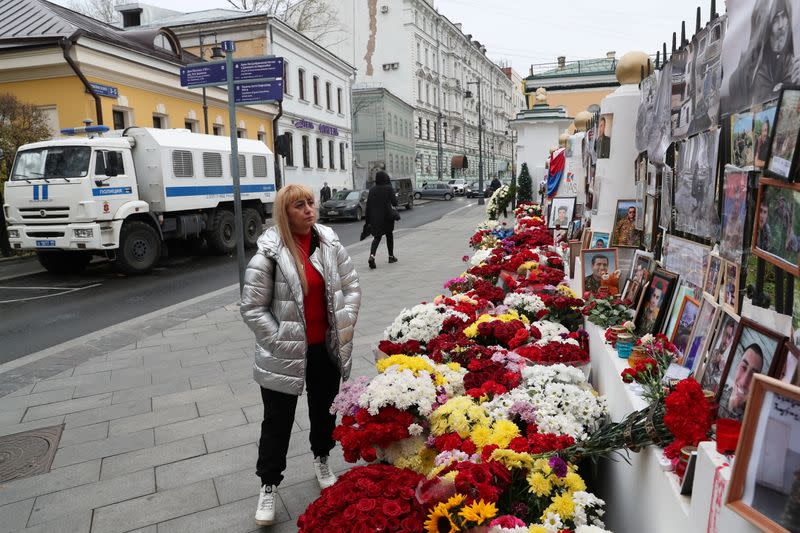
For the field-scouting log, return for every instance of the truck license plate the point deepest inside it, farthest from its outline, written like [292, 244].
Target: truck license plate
[46, 243]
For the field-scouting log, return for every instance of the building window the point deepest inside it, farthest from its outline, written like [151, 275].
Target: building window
[315, 88]
[289, 157]
[301, 83]
[419, 90]
[341, 157]
[428, 129]
[262, 136]
[328, 103]
[428, 93]
[445, 134]
[119, 119]
[427, 55]
[159, 121]
[306, 153]
[320, 155]
[242, 134]
[212, 165]
[218, 129]
[190, 125]
[389, 123]
[420, 128]
[331, 159]
[339, 100]
[419, 53]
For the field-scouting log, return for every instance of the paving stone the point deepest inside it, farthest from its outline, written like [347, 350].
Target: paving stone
[131, 424]
[208, 407]
[155, 508]
[198, 426]
[27, 426]
[73, 523]
[53, 481]
[103, 448]
[232, 437]
[79, 435]
[106, 492]
[149, 391]
[177, 332]
[109, 412]
[104, 366]
[11, 417]
[235, 517]
[245, 366]
[14, 516]
[114, 384]
[172, 374]
[66, 407]
[298, 496]
[71, 381]
[216, 393]
[27, 389]
[152, 457]
[9, 403]
[148, 529]
[254, 413]
[206, 466]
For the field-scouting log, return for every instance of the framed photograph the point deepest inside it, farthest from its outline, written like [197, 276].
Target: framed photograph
[766, 474]
[638, 278]
[603, 141]
[665, 211]
[790, 373]
[703, 326]
[695, 206]
[599, 239]
[586, 238]
[687, 316]
[713, 276]
[561, 211]
[742, 140]
[763, 128]
[682, 290]
[783, 157]
[574, 251]
[625, 232]
[573, 233]
[652, 311]
[730, 288]
[716, 359]
[596, 263]
[734, 213]
[756, 350]
[686, 258]
[776, 232]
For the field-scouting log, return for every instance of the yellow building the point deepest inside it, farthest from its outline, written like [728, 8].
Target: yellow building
[75, 68]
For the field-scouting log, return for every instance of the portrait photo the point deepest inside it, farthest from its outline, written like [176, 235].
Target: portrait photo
[687, 315]
[719, 349]
[713, 276]
[742, 143]
[729, 293]
[625, 232]
[734, 213]
[686, 258]
[561, 211]
[596, 264]
[776, 232]
[783, 148]
[763, 128]
[682, 290]
[650, 203]
[706, 319]
[707, 76]
[638, 278]
[764, 476]
[695, 185]
[790, 373]
[644, 115]
[603, 141]
[763, 56]
[754, 351]
[656, 298]
[599, 239]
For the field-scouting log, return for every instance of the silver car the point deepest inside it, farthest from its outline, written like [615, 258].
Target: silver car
[434, 190]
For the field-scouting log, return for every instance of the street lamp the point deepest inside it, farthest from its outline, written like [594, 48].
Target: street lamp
[513, 169]
[468, 94]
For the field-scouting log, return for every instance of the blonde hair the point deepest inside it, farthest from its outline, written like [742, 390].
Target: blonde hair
[287, 196]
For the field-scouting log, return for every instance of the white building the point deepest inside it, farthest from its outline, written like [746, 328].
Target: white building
[316, 110]
[406, 46]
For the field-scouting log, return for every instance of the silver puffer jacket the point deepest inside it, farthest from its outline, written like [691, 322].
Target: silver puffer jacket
[272, 306]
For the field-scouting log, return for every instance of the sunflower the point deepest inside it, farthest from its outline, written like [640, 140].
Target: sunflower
[478, 512]
[454, 501]
[440, 521]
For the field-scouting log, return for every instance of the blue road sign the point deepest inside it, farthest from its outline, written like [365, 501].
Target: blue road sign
[257, 69]
[228, 46]
[258, 93]
[105, 90]
[204, 74]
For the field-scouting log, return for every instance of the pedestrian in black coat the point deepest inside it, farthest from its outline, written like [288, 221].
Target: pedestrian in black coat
[380, 218]
[324, 193]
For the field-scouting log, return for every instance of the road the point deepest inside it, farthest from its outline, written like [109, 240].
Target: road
[41, 310]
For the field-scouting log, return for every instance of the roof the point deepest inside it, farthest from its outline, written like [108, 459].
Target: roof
[31, 22]
[207, 15]
[583, 67]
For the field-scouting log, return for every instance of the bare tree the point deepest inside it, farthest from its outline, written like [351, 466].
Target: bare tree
[102, 10]
[316, 19]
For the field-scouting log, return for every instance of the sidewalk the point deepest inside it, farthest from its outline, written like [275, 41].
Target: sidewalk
[160, 435]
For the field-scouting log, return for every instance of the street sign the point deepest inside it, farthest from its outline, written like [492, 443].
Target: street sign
[228, 46]
[204, 75]
[257, 69]
[105, 90]
[258, 93]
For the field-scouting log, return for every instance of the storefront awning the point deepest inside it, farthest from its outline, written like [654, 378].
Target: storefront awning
[459, 161]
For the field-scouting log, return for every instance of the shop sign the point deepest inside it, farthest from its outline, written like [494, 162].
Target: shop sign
[304, 124]
[328, 130]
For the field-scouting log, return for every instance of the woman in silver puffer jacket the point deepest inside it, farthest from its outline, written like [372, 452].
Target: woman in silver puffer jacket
[301, 300]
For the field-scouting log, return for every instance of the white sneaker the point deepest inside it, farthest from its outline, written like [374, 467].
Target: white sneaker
[265, 512]
[325, 477]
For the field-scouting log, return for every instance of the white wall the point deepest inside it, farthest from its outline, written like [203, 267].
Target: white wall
[536, 138]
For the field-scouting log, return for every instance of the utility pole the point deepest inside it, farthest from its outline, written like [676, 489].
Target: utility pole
[205, 99]
[480, 139]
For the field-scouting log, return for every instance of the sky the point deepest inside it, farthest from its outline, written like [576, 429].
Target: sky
[523, 32]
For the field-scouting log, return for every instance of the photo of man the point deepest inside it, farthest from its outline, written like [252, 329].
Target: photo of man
[561, 216]
[713, 276]
[603, 141]
[640, 278]
[599, 264]
[785, 137]
[649, 315]
[777, 227]
[718, 355]
[734, 395]
[560, 212]
[599, 239]
[734, 210]
[625, 232]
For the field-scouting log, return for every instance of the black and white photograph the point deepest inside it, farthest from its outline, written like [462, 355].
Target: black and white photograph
[695, 180]
[681, 61]
[783, 148]
[686, 258]
[764, 55]
[665, 213]
[644, 116]
[660, 122]
[604, 131]
[707, 76]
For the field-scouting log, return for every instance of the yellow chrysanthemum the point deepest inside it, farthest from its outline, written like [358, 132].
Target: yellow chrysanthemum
[503, 432]
[481, 435]
[563, 505]
[439, 520]
[538, 484]
[458, 414]
[574, 483]
[415, 364]
[454, 366]
[512, 459]
[543, 466]
[566, 291]
[478, 512]
[536, 528]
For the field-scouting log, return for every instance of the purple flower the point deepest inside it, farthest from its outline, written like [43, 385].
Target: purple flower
[558, 465]
[523, 410]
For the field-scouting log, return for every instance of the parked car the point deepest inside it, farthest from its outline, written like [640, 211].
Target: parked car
[404, 191]
[434, 190]
[459, 185]
[345, 204]
[473, 190]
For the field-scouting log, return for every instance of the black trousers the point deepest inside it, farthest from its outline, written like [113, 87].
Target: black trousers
[322, 385]
[377, 240]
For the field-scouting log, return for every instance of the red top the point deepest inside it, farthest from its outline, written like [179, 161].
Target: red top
[316, 313]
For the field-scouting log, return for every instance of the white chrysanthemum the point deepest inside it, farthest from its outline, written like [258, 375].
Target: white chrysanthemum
[414, 429]
[524, 302]
[551, 331]
[480, 256]
[590, 529]
[400, 389]
[422, 322]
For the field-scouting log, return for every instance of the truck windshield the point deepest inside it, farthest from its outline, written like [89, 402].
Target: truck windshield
[52, 162]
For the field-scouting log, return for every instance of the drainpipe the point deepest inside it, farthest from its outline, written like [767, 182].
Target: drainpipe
[66, 45]
[276, 157]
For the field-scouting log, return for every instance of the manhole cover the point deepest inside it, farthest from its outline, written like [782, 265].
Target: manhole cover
[28, 453]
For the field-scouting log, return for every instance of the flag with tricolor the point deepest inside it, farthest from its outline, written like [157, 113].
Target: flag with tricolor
[558, 161]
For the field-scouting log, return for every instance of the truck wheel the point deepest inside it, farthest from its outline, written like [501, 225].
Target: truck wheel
[139, 248]
[222, 235]
[251, 222]
[64, 262]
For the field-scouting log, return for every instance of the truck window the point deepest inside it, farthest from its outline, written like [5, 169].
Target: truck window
[52, 162]
[242, 166]
[212, 165]
[259, 166]
[100, 162]
[182, 165]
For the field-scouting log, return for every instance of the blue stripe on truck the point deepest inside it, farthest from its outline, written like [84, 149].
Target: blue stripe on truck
[203, 190]
[111, 191]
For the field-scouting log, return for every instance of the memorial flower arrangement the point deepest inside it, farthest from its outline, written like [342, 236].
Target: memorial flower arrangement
[606, 312]
[527, 210]
[421, 323]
